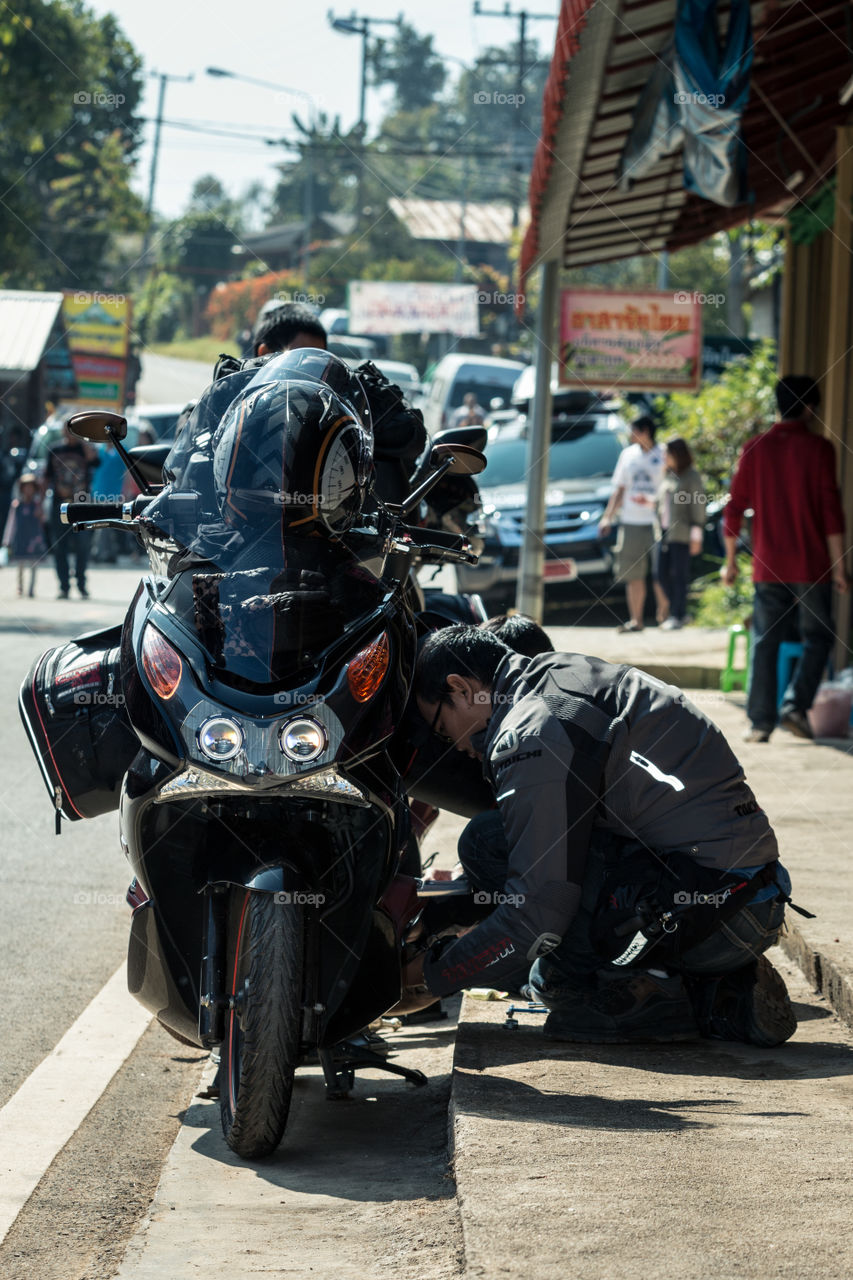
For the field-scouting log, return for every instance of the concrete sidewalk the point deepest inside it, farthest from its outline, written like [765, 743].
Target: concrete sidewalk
[691, 1160]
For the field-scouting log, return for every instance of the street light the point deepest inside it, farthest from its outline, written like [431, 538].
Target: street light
[308, 199]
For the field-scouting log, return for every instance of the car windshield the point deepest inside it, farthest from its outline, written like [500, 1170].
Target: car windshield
[486, 383]
[588, 456]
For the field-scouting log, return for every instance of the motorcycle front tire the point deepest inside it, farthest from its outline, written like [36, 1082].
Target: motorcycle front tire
[262, 1030]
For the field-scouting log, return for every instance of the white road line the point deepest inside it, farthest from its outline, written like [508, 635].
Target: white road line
[53, 1102]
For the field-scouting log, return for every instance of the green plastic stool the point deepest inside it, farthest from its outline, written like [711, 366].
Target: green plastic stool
[732, 677]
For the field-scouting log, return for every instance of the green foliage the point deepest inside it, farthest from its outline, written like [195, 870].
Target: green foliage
[70, 84]
[723, 415]
[409, 63]
[198, 247]
[163, 308]
[809, 219]
[717, 605]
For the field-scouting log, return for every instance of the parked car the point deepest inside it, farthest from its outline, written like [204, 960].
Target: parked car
[581, 461]
[161, 418]
[487, 376]
[568, 401]
[404, 375]
[349, 347]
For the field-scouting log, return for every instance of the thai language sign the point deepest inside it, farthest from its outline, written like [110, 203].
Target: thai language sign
[630, 341]
[98, 327]
[376, 306]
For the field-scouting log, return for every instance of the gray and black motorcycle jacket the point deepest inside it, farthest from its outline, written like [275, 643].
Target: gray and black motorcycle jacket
[576, 745]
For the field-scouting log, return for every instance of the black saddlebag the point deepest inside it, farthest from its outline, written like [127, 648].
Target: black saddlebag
[74, 713]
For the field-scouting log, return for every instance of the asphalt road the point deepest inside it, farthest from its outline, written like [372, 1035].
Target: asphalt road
[167, 381]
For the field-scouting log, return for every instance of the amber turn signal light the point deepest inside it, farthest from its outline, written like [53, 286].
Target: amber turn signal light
[161, 663]
[367, 670]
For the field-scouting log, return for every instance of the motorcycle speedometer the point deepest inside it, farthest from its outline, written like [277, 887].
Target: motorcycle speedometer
[302, 739]
[220, 738]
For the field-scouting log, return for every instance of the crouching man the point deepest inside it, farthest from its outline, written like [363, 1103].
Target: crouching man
[630, 867]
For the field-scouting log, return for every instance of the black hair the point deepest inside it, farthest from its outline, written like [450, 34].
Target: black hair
[647, 424]
[461, 650]
[680, 450]
[520, 632]
[278, 328]
[796, 393]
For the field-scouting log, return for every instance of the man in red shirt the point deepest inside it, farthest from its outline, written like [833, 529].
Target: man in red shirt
[787, 476]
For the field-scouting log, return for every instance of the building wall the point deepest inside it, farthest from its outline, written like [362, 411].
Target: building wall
[817, 338]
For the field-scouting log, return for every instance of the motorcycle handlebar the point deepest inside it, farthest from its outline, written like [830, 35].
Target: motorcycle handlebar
[80, 512]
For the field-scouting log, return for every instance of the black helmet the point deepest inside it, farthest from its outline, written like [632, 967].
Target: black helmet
[316, 365]
[291, 454]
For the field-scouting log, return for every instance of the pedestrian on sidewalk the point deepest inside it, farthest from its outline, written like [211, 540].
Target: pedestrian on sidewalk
[636, 479]
[618, 801]
[24, 534]
[787, 476]
[679, 525]
[68, 477]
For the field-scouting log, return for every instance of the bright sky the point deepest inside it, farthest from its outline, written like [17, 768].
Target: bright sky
[285, 42]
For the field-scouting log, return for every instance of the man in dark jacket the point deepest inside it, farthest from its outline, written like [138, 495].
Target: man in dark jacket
[607, 780]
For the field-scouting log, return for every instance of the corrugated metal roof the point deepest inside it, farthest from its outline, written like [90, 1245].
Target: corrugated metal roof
[581, 210]
[26, 320]
[440, 220]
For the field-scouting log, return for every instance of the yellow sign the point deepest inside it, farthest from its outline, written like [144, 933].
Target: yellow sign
[97, 323]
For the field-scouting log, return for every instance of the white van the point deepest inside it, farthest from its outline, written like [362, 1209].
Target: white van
[487, 376]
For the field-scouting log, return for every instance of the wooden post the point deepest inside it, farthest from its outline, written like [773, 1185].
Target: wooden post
[837, 386]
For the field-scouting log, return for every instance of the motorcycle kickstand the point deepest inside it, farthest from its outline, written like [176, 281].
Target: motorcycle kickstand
[339, 1072]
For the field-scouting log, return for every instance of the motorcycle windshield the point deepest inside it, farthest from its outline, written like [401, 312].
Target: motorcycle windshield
[265, 608]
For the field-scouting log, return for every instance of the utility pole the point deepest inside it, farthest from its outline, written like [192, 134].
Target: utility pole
[164, 78]
[523, 18]
[359, 25]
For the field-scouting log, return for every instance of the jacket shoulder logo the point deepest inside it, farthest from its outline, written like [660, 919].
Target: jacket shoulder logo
[505, 745]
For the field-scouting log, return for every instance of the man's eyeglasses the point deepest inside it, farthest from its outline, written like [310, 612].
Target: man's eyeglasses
[434, 726]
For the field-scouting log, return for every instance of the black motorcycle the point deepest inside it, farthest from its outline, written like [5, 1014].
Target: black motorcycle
[245, 715]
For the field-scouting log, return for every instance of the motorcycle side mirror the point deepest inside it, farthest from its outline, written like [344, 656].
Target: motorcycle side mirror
[465, 460]
[98, 426]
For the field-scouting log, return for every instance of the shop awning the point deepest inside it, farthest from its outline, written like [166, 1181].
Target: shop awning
[605, 53]
[26, 323]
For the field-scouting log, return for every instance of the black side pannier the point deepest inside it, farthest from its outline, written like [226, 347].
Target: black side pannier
[75, 716]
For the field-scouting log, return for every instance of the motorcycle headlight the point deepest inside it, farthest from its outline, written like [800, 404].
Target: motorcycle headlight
[303, 739]
[220, 738]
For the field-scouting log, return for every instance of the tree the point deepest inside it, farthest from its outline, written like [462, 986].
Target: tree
[409, 63]
[197, 247]
[717, 420]
[70, 84]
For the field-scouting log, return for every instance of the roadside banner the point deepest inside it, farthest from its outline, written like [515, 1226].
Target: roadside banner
[631, 341]
[377, 306]
[98, 327]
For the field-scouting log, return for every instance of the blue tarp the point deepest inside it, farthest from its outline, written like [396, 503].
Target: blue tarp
[695, 100]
